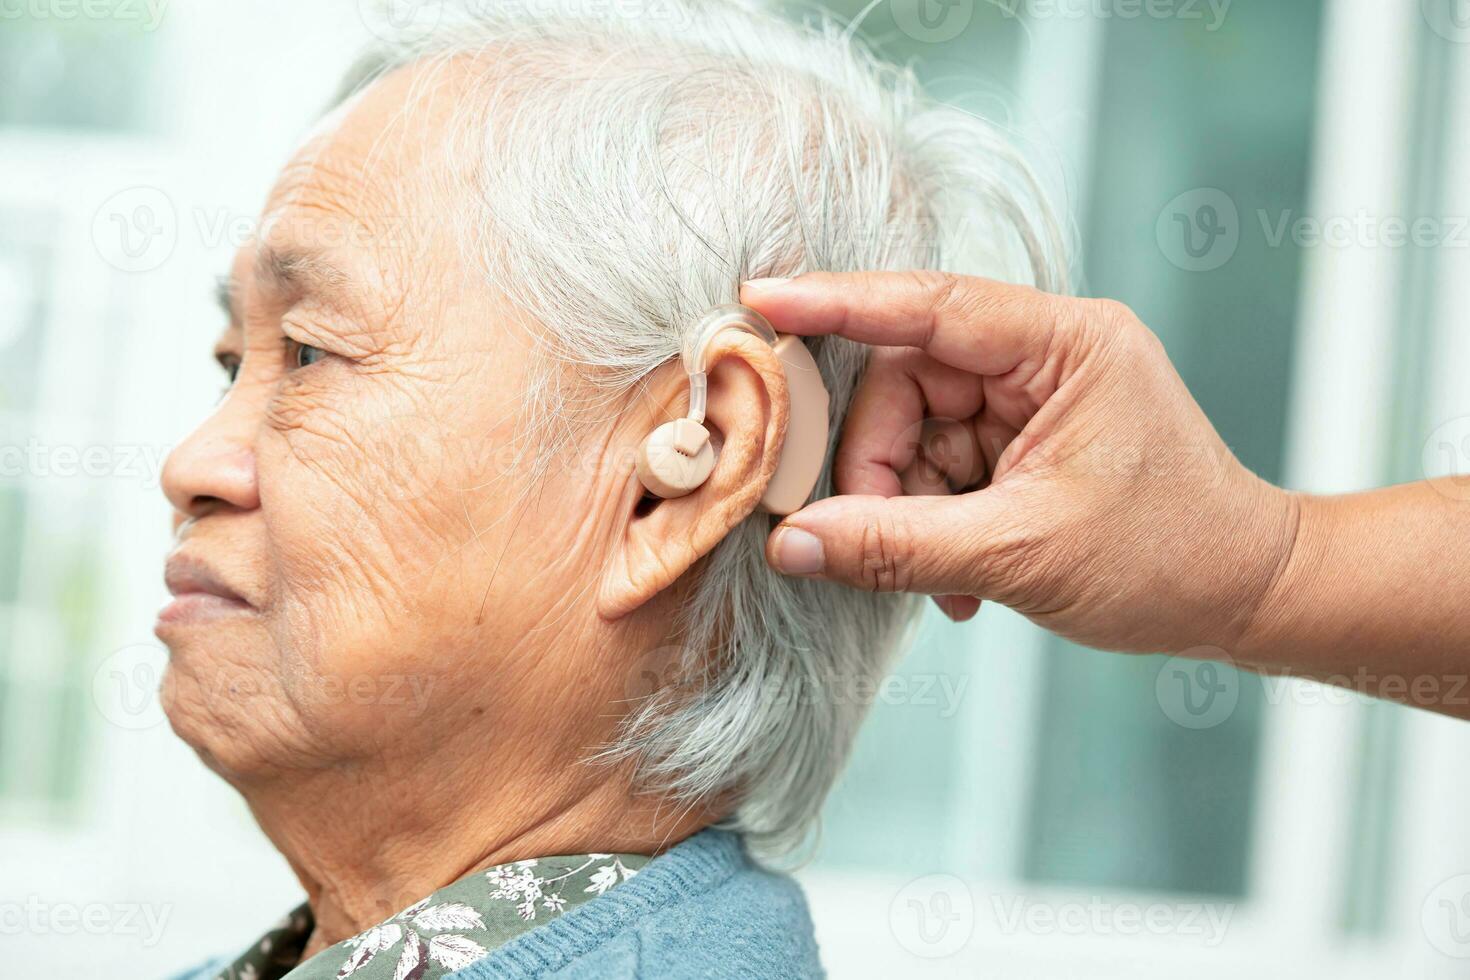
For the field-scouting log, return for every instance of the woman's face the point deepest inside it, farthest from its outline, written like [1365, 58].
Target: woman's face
[360, 499]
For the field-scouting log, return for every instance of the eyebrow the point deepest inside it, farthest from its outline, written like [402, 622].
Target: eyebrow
[285, 271]
[289, 270]
[224, 296]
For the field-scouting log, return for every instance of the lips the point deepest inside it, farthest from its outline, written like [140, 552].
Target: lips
[199, 592]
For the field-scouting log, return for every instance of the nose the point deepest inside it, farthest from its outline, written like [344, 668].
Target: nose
[214, 469]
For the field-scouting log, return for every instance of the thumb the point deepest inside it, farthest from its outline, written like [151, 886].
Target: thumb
[881, 544]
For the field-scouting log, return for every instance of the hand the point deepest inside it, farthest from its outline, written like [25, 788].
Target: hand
[1082, 485]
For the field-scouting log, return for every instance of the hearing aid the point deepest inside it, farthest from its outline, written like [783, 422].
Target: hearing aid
[678, 457]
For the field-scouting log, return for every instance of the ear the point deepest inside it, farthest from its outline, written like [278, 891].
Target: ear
[657, 541]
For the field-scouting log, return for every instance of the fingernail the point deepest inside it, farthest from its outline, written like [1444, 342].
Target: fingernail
[798, 552]
[768, 283]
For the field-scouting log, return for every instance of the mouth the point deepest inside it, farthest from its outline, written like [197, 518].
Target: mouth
[200, 593]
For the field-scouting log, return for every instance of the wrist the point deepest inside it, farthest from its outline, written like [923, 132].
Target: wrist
[1288, 542]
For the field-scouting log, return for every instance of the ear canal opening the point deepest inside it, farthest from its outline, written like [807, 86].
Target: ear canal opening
[646, 505]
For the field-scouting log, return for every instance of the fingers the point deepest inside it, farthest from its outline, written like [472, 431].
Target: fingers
[959, 608]
[978, 325]
[882, 544]
[884, 424]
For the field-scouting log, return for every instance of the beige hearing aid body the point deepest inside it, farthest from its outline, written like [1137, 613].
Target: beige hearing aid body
[678, 457]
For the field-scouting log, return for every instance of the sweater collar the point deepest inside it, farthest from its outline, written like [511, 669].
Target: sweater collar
[456, 926]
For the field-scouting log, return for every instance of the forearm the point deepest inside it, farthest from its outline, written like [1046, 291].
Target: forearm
[1376, 596]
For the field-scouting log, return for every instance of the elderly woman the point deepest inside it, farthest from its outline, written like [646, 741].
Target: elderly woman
[504, 712]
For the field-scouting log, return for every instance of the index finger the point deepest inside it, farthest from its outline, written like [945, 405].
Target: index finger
[978, 325]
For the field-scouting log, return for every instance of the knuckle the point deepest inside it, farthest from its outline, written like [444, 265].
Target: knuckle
[886, 555]
[945, 295]
[1114, 325]
[1114, 316]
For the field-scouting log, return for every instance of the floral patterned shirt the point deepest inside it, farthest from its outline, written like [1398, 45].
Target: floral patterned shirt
[452, 928]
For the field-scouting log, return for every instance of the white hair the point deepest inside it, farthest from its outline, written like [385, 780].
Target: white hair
[632, 169]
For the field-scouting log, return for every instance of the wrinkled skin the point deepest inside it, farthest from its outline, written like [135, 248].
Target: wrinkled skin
[431, 638]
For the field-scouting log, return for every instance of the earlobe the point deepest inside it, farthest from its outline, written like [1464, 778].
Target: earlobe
[747, 416]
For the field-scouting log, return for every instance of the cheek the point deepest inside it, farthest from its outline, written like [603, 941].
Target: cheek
[351, 489]
[416, 552]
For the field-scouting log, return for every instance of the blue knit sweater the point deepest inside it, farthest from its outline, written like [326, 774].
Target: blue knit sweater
[702, 909]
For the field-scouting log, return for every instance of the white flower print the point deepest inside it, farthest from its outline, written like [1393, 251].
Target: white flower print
[603, 879]
[500, 876]
[450, 915]
[449, 950]
[452, 928]
[522, 884]
[413, 909]
[376, 940]
[453, 952]
[414, 961]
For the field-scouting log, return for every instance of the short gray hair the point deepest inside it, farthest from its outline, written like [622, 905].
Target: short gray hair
[633, 167]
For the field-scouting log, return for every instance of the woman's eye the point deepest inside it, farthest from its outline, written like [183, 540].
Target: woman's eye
[307, 355]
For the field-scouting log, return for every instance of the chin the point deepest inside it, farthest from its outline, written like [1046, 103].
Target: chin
[230, 709]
